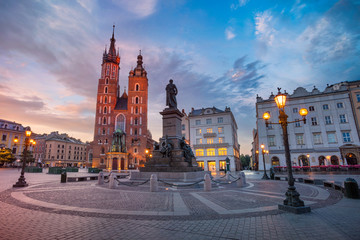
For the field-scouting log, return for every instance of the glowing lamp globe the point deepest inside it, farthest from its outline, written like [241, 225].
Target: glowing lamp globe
[303, 112]
[280, 100]
[262, 146]
[28, 132]
[266, 116]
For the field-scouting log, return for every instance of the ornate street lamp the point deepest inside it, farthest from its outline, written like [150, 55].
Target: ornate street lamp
[292, 203]
[28, 142]
[262, 146]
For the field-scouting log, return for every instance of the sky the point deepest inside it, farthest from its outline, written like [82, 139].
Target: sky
[219, 53]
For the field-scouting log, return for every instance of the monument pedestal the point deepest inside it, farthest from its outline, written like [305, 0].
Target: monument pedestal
[173, 160]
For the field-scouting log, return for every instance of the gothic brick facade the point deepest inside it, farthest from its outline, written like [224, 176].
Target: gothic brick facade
[127, 112]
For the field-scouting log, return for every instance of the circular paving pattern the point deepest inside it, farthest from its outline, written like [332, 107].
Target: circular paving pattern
[258, 197]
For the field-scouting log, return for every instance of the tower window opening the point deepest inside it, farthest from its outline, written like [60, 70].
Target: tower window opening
[106, 90]
[137, 87]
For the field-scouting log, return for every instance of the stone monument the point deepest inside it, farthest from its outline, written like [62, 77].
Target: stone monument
[172, 159]
[117, 158]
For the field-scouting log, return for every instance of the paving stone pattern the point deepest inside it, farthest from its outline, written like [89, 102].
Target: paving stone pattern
[331, 218]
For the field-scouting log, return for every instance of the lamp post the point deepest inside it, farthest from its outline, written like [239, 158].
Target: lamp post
[262, 146]
[256, 164]
[21, 181]
[292, 203]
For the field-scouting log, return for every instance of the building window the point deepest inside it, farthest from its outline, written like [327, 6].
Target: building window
[198, 132]
[358, 97]
[106, 81]
[136, 100]
[199, 141]
[104, 121]
[103, 131]
[105, 90]
[331, 137]
[137, 87]
[220, 130]
[136, 121]
[317, 138]
[325, 107]
[209, 140]
[105, 99]
[208, 121]
[105, 110]
[209, 130]
[199, 152]
[269, 127]
[135, 131]
[197, 122]
[183, 127]
[343, 118]
[271, 141]
[220, 120]
[346, 137]
[4, 137]
[210, 152]
[222, 151]
[328, 120]
[313, 121]
[136, 110]
[297, 124]
[295, 110]
[221, 140]
[299, 139]
[340, 105]
[311, 108]
[135, 150]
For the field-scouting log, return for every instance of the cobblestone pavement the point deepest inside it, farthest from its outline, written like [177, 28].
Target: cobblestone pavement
[83, 210]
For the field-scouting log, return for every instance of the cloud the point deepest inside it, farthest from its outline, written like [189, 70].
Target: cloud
[54, 36]
[334, 36]
[240, 3]
[141, 8]
[229, 33]
[35, 113]
[264, 27]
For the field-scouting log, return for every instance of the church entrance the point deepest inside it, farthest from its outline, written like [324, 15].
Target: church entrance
[115, 164]
[122, 164]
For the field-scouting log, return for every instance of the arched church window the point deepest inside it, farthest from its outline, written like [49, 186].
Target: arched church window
[136, 100]
[103, 131]
[137, 87]
[106, 90]
[106, 81]
[102, 150]
[104, 120]
[105, 100]
[120, 122]
[135, 131]
[105, 109]
[136, 121]
[136, 110]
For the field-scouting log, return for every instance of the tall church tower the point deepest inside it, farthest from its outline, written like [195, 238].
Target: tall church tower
[137, 130]
[107, 94]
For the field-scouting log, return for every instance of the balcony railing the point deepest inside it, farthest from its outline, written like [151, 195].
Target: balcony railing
[209, 135]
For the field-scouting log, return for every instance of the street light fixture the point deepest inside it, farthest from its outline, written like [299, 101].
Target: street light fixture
[292, 203]
[28, 142]
[262, 146]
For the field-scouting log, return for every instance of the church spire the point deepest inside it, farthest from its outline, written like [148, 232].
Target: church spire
[112, 49]
[111, 55]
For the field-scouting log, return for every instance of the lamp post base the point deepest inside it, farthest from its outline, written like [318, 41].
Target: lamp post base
[296, 210]
[265, 176]
[21, 182]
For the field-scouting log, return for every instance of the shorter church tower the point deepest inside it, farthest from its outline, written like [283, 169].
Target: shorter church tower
[137, 130]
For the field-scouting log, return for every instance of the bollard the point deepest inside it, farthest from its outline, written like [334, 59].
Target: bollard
[153, 183]
[228, 176]
[101, 178]
[207, 183]
[63, 177]
[112, 183]
[243, 178]
[351, 188]
[239, 182]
